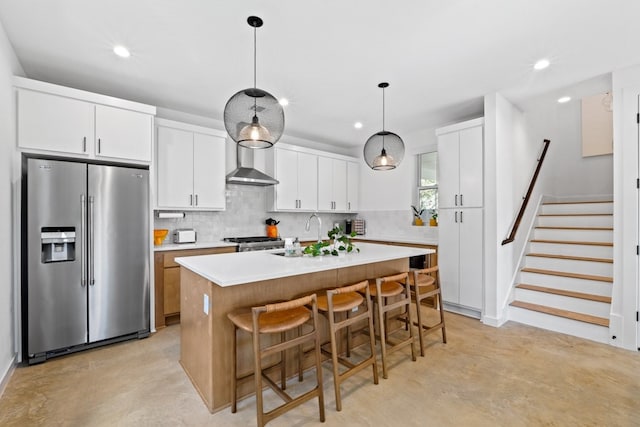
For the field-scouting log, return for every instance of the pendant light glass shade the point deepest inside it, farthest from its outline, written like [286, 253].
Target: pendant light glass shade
[253, 117]
[383, 150]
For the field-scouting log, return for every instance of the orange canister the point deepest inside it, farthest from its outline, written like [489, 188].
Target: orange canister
[272, 231]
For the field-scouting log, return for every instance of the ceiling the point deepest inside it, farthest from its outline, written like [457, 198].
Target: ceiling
[326, 56]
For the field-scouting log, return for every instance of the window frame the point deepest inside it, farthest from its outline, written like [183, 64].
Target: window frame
[426, 187]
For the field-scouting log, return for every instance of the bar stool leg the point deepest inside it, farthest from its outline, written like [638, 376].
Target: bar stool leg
[257, 375]
[234, 378]
[383, 332]
[300, 356]
[334, 361]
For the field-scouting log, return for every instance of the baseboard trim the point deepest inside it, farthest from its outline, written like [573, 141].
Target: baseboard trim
[4, 380]
[496, 322]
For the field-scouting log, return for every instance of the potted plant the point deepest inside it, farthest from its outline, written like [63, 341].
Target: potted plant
[433, 222]
[341, 244]
[417, 216]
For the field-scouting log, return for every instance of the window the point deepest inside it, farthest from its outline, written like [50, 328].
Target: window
[428, 181]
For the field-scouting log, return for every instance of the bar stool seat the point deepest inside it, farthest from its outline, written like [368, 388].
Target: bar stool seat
[270, 323]
[338, 306]
[385, 287]
[278, 318]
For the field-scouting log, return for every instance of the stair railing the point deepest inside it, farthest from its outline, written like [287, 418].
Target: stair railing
[526, 198]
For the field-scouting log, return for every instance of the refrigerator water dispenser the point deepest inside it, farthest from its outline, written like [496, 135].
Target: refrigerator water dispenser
[58, 244]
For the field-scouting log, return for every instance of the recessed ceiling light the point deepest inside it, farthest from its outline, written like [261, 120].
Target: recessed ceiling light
[541, 64]
[284, 102]
[121, 51]
[357, 125]
[564, 99]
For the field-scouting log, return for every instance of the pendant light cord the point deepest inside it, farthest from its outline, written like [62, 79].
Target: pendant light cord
[254, 57]
[383, 118]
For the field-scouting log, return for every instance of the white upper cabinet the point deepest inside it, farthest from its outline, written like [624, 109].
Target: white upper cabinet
[190, 167]
[54, 119]
[121, 133]
[312, 180]
[460, 170]
[353, 186]
[54, 123]
[332, 184]
[298, 175]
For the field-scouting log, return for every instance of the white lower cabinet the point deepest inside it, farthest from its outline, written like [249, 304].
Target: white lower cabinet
[190, 167]
[460, 257]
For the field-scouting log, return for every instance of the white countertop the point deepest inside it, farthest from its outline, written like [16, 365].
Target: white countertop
[246, 267]
[400, 239]
[197, 245]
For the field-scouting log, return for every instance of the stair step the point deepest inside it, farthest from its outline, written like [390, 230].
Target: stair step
[595, 320]
[571, 242]
[571, 257]
[572, 249]
[575, 234]
[576, 214]
[577, 208]
[566, 293]
[547, 227]
[567, 274]
[579, 202]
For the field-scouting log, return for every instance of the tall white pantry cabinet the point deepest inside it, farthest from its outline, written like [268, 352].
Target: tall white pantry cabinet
[460, 215]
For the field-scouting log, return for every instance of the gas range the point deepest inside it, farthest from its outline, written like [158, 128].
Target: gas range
[257, 243]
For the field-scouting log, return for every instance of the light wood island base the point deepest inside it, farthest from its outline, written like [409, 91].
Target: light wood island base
[206, 338]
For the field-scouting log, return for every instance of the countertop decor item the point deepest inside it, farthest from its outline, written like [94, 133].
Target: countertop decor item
[341, 244]
[383, 150]
[253, 117]
[433, 222]
[417, 216]
[159, 235]
[272, 227]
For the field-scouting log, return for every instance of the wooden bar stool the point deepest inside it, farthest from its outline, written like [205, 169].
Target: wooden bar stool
[278, 318]
[384, 288]
[425, 285]
[341, 302]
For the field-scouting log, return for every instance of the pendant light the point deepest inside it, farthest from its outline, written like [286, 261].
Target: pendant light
[383, 150]
[253, 117]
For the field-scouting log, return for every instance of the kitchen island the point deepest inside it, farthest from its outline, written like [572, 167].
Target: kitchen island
[214, 285]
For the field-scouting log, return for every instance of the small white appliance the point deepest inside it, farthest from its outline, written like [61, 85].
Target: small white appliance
[184, 235]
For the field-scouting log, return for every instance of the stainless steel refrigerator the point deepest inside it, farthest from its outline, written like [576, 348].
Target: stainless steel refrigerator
[86, 266]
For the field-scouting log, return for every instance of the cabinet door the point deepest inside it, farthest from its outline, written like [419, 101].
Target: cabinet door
[208, 171]
[172, 290]
[353, 186]
[471, 250]
[287, 174]
[123, 134]
[448, 172]
[339, 185]
[175, 168]
[308, 181]
[55, 123]
[325, 184]
[448, 253]
[471, 170]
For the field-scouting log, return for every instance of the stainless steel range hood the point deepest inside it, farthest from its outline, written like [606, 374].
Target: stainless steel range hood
[245, 173]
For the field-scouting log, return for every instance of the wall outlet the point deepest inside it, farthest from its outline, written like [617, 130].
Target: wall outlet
[205, 306]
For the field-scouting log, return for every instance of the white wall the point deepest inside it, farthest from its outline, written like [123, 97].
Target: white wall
[508, 154]
[8, 177]
[625, 294]
[566, 172]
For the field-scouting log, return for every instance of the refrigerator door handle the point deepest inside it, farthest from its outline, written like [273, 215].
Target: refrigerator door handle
[92, 279]
[83, 247]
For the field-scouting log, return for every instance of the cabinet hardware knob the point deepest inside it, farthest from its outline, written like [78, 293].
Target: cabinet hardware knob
[99, 146]
[84, 144]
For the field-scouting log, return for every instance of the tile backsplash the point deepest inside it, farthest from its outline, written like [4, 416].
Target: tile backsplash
[245, 215]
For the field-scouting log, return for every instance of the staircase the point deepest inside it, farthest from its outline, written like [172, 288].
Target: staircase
[567, 275]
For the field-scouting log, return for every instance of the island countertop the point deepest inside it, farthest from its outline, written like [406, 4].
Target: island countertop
[245, 267]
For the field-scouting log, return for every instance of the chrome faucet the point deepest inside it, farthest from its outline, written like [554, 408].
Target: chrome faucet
[308, 225]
